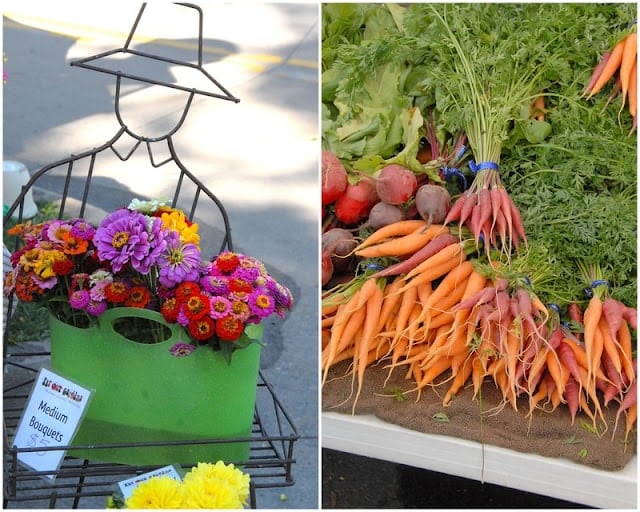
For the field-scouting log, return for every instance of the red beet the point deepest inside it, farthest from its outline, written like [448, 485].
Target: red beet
[396, 184]
[383, 214]
[433, 203]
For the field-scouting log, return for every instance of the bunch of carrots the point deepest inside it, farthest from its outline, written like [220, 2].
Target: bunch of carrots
[447, 319]
[619, 63]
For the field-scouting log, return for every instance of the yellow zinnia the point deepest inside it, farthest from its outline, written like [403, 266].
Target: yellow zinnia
[159, 492]
[177, 221]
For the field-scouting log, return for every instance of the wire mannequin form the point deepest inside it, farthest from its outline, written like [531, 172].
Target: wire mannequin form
[272, 455]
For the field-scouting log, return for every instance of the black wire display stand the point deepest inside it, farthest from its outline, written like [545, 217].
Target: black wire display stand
[78, 479]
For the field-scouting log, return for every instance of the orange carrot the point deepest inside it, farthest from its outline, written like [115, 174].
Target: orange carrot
[461, 376]
[401, 246]
[633, 95]
[407, 303]
[452, 287]
[391, 231]
[626, 347]
[610, 68]
[391, 298]
[439, 366]
[627, 61]
[609, 345]
[537, 110]
[558, 372]
[373, 307]
[592, 338]
[447, 255]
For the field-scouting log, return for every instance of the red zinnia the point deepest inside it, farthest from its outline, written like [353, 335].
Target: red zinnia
[229, 328]
[186, 289]
[202, 328]
[197, 306]
[227, 262]
[238, 285]
[170, 309]
[138, 297]
[116, 292]
[63, 267]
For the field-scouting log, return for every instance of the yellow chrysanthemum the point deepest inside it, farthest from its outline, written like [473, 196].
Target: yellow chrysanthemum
[225, 472]
[159, 492]
[176, 220]
[210, 493]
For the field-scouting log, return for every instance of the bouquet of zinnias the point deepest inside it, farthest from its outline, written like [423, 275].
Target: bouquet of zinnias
[211, 486]
[146, 255]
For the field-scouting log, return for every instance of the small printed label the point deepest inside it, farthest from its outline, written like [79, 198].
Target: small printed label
[51, 417]
[127, 486]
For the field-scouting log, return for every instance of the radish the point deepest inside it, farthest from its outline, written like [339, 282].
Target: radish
[334, 178]
[383, 214]
[433, 202]
[356, 202]
[396, 184]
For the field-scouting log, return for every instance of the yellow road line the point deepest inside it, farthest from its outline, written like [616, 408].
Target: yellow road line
[79, 32]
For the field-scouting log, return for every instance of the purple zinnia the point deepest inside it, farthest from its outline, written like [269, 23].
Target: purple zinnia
[215, 285]
[96, 308]
[182, 349]
[180, 262]
[281, 294]
[261, 302]
[123, 238]
[82, 229]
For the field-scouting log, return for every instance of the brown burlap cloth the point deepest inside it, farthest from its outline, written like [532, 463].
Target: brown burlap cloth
[547, 434]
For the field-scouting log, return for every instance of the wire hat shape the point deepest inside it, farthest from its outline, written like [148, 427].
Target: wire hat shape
[96, 62]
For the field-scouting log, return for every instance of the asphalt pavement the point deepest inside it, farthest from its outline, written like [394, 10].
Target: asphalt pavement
[259, 156]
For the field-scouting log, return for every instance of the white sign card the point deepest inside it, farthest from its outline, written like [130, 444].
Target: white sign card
[127, 486]
[52, 415]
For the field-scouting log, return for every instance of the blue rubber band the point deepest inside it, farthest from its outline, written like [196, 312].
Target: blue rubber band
[460, 154]
[482, 166]
[527, 281]
[600, 282]
[554, 307]
[374, 266]
[454, 171]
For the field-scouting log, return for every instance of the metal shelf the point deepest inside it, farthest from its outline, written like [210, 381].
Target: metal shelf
[78, 482]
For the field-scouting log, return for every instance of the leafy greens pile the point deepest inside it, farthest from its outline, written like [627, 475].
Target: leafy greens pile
[573, 175]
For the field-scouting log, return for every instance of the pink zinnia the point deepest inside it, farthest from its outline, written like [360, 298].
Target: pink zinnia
[79, 299]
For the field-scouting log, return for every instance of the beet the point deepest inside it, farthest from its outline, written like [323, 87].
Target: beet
[433, 203]
[334, 178]
[338, 244]
[396, 184]
[327, 268]
[383, 214]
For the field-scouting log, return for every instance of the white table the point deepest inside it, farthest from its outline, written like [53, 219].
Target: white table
[559, 478]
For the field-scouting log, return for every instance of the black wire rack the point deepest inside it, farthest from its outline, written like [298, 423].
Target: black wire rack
[71, 181]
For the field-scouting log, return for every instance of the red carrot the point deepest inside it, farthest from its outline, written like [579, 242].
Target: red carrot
[612, 311]
[597, 71]
[431, 248]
